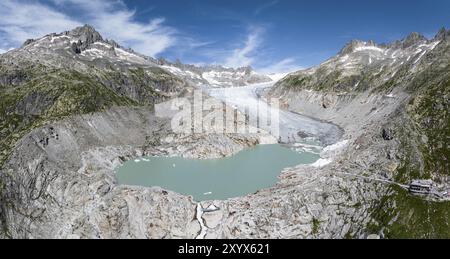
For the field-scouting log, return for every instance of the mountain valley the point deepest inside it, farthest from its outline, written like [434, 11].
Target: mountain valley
[74, 106]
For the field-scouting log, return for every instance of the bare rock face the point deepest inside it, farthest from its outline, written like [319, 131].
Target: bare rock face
[28, 42]
[63, 175]
[354, 44]
[87, 35]
[388, 134]
[443, 34]
[213, 219]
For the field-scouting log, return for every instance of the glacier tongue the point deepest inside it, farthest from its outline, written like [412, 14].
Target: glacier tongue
[292, 127]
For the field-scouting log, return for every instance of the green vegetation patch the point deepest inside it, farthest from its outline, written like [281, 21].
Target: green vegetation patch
[401, 215]
[51, 96]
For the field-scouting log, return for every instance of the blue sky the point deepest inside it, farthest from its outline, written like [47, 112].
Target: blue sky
[270, 35]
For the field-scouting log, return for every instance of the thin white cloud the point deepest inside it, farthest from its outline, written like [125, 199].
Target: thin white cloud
[252, 53]
[265, 6]
[192, 43]
[245, 55]
[20, 20]
[287, 65]
[98, 5]
[113, 19]
[24, 19]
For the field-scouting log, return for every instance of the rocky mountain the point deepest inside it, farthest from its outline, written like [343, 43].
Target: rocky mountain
[79, 71]
[75, 72]
[84, 47]
[65, 96]
[362, 65]
[393, 102]
[78, 75]
[215, 75]
[80, 49]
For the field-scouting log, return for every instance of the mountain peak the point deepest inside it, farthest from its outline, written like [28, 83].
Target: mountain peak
[86, 33]
[412, 39]
[86, 36]
[442, 34]
[84, 29]
[352, 45]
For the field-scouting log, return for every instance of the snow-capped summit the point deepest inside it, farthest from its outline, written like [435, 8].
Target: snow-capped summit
[215, 75]
[442, 34]
[413, 39]
[83, 47]
[363, 64]
[357, 45]
[80, 48]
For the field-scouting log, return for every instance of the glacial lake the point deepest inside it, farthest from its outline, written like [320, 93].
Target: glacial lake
[215, 179]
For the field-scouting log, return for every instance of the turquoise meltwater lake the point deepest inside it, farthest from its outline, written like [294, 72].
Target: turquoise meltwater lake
[215, 179]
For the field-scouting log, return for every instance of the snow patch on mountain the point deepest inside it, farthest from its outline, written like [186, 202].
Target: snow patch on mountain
[215, 76]
[368, 48]
[277, 76]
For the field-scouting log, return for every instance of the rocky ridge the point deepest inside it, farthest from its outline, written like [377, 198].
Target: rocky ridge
[392, 101]
[47, 79]
[84, 47]
[215, 75]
